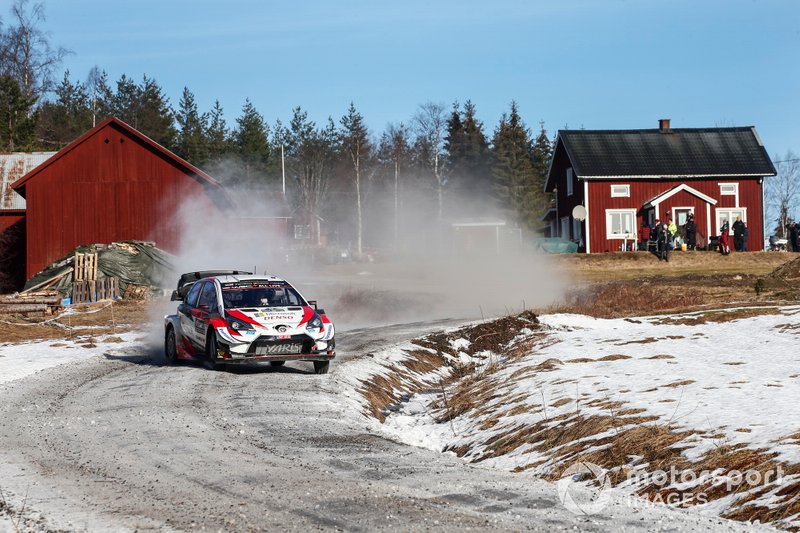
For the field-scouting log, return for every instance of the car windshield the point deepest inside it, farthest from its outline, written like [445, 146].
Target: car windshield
[259, 294]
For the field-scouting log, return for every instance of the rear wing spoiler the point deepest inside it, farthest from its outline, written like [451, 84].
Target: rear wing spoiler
[187, 280]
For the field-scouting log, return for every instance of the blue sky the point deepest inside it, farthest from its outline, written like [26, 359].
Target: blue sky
[595, 64]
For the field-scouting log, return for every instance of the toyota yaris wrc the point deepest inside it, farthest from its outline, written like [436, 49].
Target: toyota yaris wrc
[234, 317]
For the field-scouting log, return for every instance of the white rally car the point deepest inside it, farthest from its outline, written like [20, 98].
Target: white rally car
[234, 317]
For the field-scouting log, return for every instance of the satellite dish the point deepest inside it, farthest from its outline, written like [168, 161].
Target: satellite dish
[579, 212]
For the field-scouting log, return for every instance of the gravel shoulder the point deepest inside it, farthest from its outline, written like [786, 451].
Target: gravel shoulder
[125, 443]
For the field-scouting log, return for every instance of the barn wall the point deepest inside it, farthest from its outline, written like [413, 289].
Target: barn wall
[111, 187]
[643, 191]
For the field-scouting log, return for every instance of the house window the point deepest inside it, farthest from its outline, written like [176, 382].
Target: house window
[620, 223]
[302, 231]
[570, 182]
[620, 191]
[728, 189]
[565, 227]
[729, 216]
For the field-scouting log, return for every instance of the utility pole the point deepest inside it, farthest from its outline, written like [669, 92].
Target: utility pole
[283, 173]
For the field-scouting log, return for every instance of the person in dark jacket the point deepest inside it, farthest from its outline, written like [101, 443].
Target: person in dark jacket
[745, 235]
[690, 228]
[794, 235]
[738, 234]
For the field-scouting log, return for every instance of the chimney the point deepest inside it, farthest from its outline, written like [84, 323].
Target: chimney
[663, 125]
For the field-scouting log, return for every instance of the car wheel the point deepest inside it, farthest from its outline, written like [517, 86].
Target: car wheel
[321, 367]
[277, 363]
[170, 346]
[211, 351]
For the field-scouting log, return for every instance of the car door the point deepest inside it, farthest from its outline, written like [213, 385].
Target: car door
[185, 312]
[206, 305]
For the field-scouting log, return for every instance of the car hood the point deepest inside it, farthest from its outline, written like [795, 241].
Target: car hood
[273, 317]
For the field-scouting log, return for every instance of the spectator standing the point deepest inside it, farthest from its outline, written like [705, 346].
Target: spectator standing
[690, 228]
[794, 234]
[724, 247]
[745, 235]
[738, 234]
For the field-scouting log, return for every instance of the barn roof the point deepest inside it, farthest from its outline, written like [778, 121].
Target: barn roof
[666, 153]
[207, 181]
[13, 166]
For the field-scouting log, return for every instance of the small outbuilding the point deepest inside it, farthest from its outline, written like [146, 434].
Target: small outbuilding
[111, 184]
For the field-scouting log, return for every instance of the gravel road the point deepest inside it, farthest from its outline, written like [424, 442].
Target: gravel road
[124, 443]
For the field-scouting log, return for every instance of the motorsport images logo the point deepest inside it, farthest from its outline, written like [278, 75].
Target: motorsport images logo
[584, 488]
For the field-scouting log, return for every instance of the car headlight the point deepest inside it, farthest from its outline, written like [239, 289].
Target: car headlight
[238, 325]
[315, 323]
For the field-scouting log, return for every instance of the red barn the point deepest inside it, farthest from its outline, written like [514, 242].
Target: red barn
[627, 179]
[111, 184]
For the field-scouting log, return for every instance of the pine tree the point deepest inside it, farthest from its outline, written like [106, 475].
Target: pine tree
[217, 134]
[251, 143]
[542, 155]
[191, 143]
[17, 118]
[357, 150]
[67, 117]
[156, 119]
[468, 156]
[513, 171]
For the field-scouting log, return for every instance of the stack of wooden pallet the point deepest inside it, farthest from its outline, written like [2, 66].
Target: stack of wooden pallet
[86, 287]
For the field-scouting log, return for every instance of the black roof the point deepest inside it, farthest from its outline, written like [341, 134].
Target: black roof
[686, 152]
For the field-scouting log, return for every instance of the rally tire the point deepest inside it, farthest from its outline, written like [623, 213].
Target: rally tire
[170, 346]
[321, 367]
[211, 351]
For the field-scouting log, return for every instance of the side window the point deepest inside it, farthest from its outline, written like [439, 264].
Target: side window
[208, 296]
[194, 292]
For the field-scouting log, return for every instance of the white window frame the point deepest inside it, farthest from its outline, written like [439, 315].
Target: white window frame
[622, 191]
[681, 208]
[620, 236]
[732, 213]
[564, 233]
[734, 193]
[570, 182]
[302, 231]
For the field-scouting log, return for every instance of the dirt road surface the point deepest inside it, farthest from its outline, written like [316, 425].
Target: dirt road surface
[123, 443]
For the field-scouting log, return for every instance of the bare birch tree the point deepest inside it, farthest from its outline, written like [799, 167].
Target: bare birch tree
[394, 151]
[430, 123]
[25, 51]
[782, 193]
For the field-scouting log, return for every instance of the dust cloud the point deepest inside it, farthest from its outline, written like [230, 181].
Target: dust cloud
[471, 263]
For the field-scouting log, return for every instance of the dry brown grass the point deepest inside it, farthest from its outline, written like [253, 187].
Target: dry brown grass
[615, 266]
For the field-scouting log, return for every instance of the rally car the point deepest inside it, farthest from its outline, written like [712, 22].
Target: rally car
[235, 317]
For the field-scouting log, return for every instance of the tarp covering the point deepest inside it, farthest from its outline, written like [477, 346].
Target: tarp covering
[554, 245]
[132, 262]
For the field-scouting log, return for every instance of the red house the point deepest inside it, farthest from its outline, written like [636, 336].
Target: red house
[627, 179]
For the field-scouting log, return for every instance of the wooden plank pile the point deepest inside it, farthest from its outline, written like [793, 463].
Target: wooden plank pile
[30, 303]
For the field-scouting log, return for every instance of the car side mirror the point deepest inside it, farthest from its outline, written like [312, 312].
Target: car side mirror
[313, 303]
[175, 297]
